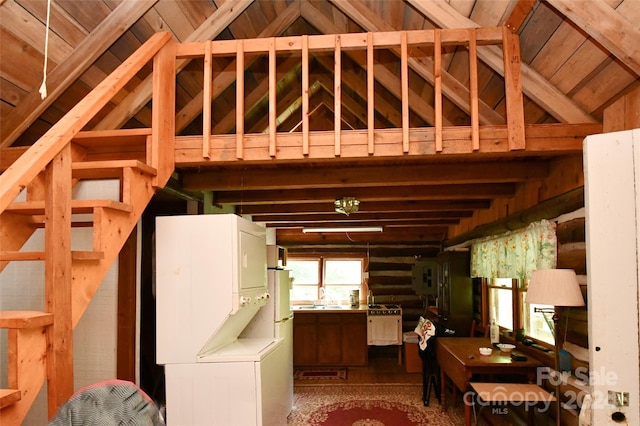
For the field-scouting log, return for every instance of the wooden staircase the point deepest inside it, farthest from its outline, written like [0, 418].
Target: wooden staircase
[36, 193]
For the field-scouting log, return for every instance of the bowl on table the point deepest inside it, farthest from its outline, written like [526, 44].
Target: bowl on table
[485, 351]
[506, 347]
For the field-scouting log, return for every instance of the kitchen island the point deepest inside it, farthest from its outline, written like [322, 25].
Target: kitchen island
[330, 335]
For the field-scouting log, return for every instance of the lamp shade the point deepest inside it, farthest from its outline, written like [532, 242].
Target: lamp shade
[557, 287]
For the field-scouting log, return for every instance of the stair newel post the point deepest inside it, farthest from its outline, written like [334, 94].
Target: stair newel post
[58, 280]
[513, 89]
[163, 114]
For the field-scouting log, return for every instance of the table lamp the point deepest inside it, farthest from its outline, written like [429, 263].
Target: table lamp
[557, 287]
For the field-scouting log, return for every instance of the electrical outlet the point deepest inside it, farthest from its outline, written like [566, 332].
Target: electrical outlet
[619, 399]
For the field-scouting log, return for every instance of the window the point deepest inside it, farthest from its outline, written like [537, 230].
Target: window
[333, 277]
[535, 324]
[508, 308]
[501, 302]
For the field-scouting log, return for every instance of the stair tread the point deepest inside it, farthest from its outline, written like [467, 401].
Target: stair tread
[40, 255]
[9, 396]
[25, 319]
[124, 137]
[77, 206]
[108, 169]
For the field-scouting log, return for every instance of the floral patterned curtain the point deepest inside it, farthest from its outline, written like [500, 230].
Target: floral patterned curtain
[515, 254]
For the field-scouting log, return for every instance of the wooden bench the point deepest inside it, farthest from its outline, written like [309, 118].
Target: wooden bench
[499, 396]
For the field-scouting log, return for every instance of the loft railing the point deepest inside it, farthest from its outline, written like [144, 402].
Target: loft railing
[409, 46]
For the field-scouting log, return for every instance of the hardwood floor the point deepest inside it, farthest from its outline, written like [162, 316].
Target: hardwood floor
[383, 367]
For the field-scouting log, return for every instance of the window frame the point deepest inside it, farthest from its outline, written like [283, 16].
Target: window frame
[518, 306]
[322, 259]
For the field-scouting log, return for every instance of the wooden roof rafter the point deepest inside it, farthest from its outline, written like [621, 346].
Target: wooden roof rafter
[453, 89]
[619, 36]
[534, 85]
[226, 78]
[209, 30]
[73, 66]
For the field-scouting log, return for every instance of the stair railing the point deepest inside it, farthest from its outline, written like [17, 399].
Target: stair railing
[53, 154]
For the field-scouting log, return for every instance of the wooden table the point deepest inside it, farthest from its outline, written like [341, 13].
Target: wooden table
[459, 359]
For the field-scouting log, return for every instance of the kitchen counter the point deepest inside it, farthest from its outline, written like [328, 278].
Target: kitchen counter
[331, 335]
[343, 309]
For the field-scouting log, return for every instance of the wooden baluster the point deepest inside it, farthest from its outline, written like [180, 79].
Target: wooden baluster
[337, 95]
[473, 90]
[305, 95]
[272, 97]
[240, 100]
[370, 95]
[206, 99]
[437, 84]
[404, 63]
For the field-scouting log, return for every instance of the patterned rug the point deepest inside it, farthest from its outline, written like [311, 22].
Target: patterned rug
[367, 405]
[320, 374]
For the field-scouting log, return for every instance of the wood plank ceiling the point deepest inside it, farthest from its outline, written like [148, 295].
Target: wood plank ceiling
[576, 61]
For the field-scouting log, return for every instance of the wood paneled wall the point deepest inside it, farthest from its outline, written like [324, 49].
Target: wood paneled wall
[564, 175]
[624, 114]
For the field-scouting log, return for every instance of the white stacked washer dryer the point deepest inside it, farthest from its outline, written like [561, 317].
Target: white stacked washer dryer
[211, 280]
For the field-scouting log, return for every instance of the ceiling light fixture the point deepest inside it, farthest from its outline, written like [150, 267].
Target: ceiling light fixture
[346, 205]
[344, 229]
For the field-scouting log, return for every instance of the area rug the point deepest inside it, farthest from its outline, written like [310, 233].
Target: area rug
[320, 374]
[366, 405]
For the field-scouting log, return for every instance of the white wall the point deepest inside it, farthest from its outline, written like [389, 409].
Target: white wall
[612, 200]
[22, 288]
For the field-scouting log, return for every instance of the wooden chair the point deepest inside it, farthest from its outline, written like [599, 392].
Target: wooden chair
[474, 329]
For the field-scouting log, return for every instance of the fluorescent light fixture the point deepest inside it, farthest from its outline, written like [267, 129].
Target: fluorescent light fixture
[344, 229]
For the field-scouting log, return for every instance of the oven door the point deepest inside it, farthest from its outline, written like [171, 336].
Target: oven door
[384, 330]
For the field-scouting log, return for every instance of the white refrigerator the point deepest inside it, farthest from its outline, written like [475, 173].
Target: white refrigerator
[275, 319]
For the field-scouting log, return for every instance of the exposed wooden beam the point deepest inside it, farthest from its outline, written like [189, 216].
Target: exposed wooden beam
[69, 70]
[455, 91]
[364, 194]
[137, 98]
[403, 235]
[533, 84]
[606, 26]
[406, 207]
[353, 220]
[541, 140]
[338, 176]
[304, 219]
[547, 209]
[520, 11]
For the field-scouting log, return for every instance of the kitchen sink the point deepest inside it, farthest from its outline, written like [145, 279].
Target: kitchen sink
[299, 307]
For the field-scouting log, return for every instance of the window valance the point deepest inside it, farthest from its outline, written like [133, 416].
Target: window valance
[515, 254]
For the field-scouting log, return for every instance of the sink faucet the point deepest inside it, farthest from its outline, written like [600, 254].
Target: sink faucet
[322, 296]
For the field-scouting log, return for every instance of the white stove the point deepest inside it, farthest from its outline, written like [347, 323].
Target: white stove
[384, 325]
[384, 310]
